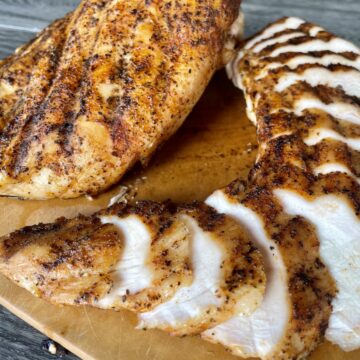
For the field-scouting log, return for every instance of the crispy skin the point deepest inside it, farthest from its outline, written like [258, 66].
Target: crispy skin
[102, 89]
[76, 261]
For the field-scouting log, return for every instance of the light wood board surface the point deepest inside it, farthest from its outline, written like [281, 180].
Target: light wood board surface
[215, 145]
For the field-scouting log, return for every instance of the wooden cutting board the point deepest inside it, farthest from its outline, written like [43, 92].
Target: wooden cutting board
[216, 144]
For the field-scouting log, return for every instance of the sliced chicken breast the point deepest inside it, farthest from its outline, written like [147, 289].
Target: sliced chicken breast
[102, 89]
[227, 278]
[300, 206]
[293, 315]
[302, 94]
[122, 257]
[186, 269]
[255, 335]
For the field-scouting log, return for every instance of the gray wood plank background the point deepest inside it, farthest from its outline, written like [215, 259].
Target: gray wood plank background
[21, 19]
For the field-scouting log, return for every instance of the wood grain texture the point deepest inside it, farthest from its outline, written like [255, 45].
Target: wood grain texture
[213, 166]
[33, 15]
[19, 341]
[10, 39]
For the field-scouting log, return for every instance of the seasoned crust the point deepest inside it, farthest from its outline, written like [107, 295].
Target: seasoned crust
[102, 89]
[76, 261]
[297, 83]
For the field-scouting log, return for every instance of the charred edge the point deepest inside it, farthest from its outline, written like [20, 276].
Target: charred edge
[207, 217]
[28, 235]
[324, 36]
[37, 111]
[284, 57]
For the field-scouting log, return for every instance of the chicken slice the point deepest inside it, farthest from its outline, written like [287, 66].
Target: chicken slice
[338, 228]
[302, 198]
[227, 278]
[123, 257]
[186, 269]
[255, 335]
[102, 89]
[293, 315]
[155, 259]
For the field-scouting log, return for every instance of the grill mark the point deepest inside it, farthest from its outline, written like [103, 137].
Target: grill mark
[303, 67]
[304, 28]
[17, 72]
[15, 127]
[290, 95]
[67, 131]
[325, 37]
[55, 89]
[328, 150]
[25, 137]
[43, 129]
[328, 95]
[112, 122]
[278, 22]
[278, 35]
[277, 74]
[283, 57]
[279, 122]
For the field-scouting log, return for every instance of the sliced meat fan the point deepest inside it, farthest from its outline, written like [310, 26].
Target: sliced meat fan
[187, 269]
[301, 85]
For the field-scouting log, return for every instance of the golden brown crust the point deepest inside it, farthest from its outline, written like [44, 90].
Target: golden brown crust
[168, 258]
[17, 71]
[72, 261]
[78, 252]
[124, 76]
[286, 161]
[243, 280]
[309, 283]
[75, 261]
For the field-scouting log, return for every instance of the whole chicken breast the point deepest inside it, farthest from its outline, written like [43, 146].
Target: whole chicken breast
[102, 89]
[302, 201]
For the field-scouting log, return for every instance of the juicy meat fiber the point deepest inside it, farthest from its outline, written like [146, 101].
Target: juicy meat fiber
[101, 89]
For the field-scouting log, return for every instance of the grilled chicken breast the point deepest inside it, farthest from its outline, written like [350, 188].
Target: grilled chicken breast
[189, 269]
[101, 89]
[302, 199]
[227, 277]
[184, 269]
